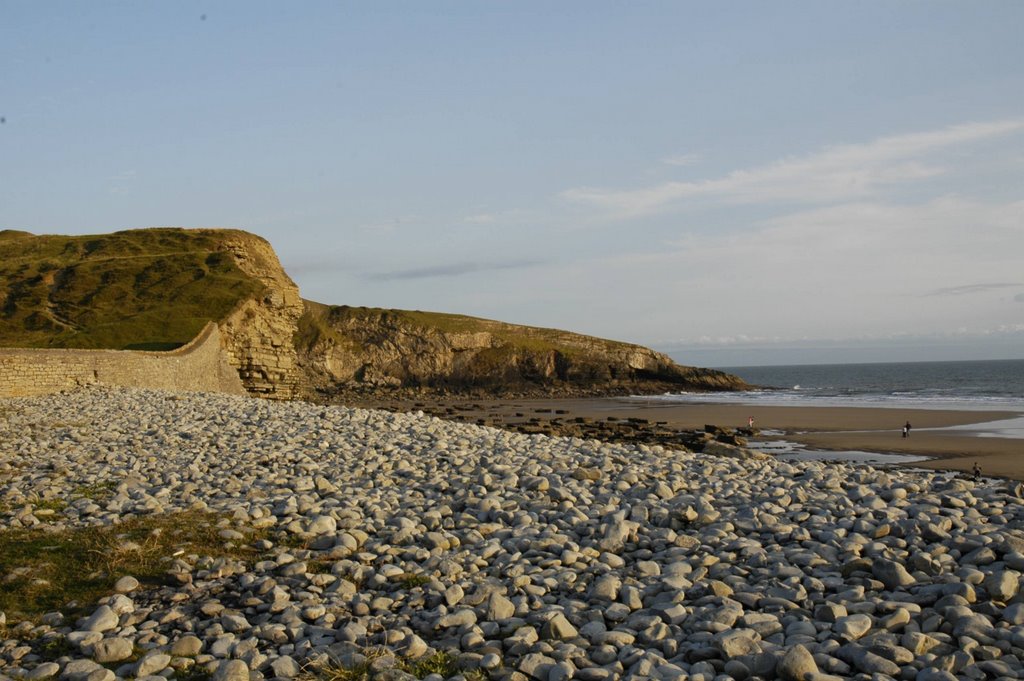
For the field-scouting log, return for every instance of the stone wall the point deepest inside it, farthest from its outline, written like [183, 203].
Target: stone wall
[199, 366]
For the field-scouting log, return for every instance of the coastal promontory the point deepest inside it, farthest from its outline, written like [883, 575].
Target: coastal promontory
[153, 290]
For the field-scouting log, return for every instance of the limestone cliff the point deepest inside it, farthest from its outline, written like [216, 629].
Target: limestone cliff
[347, 347]
[258, 335]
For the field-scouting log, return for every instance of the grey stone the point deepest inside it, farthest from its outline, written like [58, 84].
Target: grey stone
[231, 670]
[796, 664]
[892, 574]
[151, 663]
[76, 670]
[536, 666]
[558, 627]
[852, 627]
[866, 661]
[187, 646]
[102, 619]
[737, 642]
[932, 674]
[499, 608]
[43, 671]
[286, 667]
[112, 650]
[1002, 585]
[126, 585]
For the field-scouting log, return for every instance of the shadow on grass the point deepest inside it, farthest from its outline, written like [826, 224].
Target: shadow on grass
[44, 570]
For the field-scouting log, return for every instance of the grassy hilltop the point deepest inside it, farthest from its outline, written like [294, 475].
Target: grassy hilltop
[151, 289]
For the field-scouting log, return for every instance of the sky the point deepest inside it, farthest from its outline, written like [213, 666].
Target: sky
[735, 183]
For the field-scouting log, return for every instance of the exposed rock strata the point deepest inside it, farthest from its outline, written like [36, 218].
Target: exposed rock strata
[344, 348]
[258, 334]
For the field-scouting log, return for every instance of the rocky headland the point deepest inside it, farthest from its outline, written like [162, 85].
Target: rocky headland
[357, 351]
[155, 289]
[236, 538]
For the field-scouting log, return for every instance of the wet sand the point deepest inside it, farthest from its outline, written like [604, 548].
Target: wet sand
[870, 429]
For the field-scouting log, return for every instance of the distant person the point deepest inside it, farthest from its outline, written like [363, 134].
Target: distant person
[906, 429]
[750, 422]
[976, 470]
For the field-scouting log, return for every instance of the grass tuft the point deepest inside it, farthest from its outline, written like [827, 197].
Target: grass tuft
[69, 570]
[97, 491]
[411, 581]
[441, 662]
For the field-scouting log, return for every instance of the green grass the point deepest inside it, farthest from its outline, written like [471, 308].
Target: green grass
[441, 662]
[97, 491]
[69, 570]
[55, 504]
[149, 289]
[54, 648]
[411, 581]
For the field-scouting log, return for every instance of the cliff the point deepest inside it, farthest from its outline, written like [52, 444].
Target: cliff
[345, 347]
[155, 289]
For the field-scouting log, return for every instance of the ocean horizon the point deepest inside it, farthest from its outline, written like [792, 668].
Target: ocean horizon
[971, 385]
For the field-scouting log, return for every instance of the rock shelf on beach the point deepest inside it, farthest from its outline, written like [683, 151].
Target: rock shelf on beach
[374, 541]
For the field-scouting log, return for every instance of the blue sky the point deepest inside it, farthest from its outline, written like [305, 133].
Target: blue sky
[735, 182]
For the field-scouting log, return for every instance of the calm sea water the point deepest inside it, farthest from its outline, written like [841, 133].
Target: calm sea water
[940, 385]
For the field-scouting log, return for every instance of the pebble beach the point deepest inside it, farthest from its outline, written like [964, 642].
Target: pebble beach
[370, 540]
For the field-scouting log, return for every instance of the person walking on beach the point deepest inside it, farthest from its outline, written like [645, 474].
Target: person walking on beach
[750, 422]
[906, 429]
[976, 470]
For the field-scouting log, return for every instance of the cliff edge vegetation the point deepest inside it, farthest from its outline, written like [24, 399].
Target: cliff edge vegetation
[147, 289]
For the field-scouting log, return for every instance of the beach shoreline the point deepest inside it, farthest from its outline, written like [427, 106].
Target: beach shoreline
[943, 435]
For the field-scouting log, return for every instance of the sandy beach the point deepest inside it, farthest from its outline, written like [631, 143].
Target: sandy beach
[869, 429]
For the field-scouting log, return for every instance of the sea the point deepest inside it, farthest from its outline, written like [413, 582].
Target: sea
[990, 385]
[986, 385]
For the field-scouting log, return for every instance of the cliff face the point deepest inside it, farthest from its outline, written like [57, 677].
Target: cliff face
[359, 347]
[258, 335]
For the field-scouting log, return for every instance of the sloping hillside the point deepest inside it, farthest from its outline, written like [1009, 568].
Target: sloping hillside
[343, 346]
[141, 289]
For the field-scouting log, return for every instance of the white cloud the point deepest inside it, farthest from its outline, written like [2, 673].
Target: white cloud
[795, 341]
[681, 159]
[970, 289]
[480, 219]
[122, 176]
[845, 271]
[838, 173]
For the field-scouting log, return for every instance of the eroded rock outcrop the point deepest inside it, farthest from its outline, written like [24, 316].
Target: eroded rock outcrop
[350, 347]
[258, 334]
